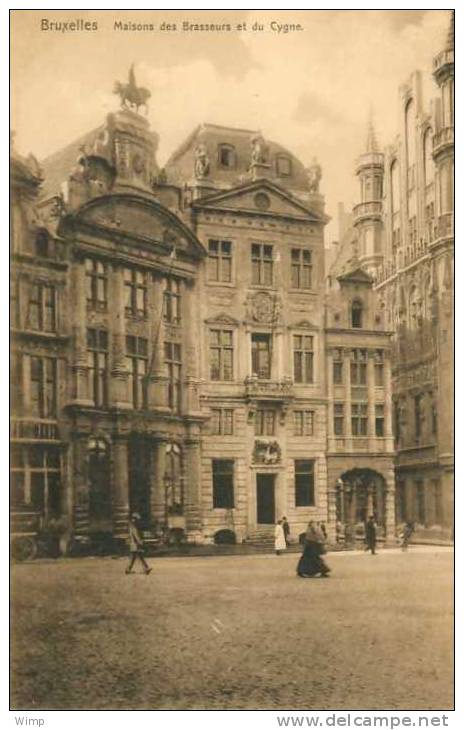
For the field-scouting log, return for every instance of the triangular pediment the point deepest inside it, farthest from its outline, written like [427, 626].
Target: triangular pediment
[356, 275]
[140, 218]
[261, 197]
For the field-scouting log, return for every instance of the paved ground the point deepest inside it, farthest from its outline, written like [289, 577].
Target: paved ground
[235, 632]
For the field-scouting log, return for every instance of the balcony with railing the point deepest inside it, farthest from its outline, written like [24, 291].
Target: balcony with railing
[26, 429]
[372, 209]
[277, 391]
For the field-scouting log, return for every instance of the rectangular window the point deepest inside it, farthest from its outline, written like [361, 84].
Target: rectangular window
[303, 423]
[301, 268]
[261, 356]
[171, 310]
[96, 275]
[42, 313]
[339, 419]
[434, 418]
[378, 368]
[418, 416]
[137, 364]
[264, 423]
[35, 479]
[97, 361]
[379, 420]
[304, 483]
[359, 419]
[43, 387]
[222, 421]
[220, 261]
[221, 354]
[262, 264]
[358, 367]
[303, 358]
[223, 483]
[338, 366]
[135, 287]
[173, 359]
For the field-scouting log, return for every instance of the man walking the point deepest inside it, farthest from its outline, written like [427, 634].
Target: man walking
[136, 544]
[371, 534]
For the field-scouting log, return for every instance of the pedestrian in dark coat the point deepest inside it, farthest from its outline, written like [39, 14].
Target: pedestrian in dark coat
[136, 544]
[371, 534]
[406, 536]
[311, 563]
[286, 529]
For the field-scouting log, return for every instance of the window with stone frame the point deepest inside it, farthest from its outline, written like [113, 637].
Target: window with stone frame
[261, 355]
[379, 368]
[222, 421]
[433, 418]
[283, 166]
[173, 359]
[339, 419]
[418, 401]
[303, 423]
[337, 365]
[262, 264]
[42, 308]
[172, 301]
[223, 483]
[35, 472]
[43, 385]
[219, 261]
[227, 156]
[304, 483]
[265, 420]
[379, 420]
[303, 358]
[221, 354]
[359, 419]
[135, 287]
[137, 365]
[96, 278]
[356, 314]
[358, 367]
[97, 363]
[301, 268]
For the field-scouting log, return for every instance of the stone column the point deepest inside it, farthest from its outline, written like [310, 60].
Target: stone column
[347, 382]
[330, 401]
[157, 377]
[390, 507]
[192, 496]
[380, 501]
[157, 494]
[79, 363]
[331, 513]
[371, 401]
[388, 419]
[81, 486]
[120, 487]
[120, 376]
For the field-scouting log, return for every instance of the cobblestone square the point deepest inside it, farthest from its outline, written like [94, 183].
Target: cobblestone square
[235, 633]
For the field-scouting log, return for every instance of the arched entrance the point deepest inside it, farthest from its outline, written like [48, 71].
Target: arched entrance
[359, 494]
[99, 478]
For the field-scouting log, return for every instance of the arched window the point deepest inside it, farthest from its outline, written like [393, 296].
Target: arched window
[429, 167]
[410, 122]
[283, 165]
[226, 156]
[356, 314]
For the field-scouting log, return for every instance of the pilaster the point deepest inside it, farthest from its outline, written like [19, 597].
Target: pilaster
[121, 487]
[119, 373]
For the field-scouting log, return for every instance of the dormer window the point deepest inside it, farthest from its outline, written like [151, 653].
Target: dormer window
[356, 314]
[226, 156]
[283, 166]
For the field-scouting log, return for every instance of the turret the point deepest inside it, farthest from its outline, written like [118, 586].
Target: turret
[443, 141]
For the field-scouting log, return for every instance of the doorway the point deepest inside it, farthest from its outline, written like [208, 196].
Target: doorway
[100, 507]
[265, 499]
[140, 467]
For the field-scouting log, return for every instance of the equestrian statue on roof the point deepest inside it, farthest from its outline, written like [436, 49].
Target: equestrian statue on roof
[131, 95]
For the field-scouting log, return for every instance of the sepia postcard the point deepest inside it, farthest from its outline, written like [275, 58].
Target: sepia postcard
[232, 364]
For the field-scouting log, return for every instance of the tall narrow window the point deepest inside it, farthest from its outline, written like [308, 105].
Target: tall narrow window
[172, 313]
[356, 314]
[358, 367]
[261, 264]
[395, 186]
[410, 122]
[173, 359]
[226, 156]
[337, 364]
[420, 502]
[96, 284]
[301, 268]
[429, 165]
[135, 285]
[264, 423]
[359, 419]
[223, 483]
[261, 356]
[137, 362]
[379, 420]
[97, 360]
[42, 310]
[220, 261]
[283, 165]
[339, 419]
[418, 417]
[378, 368]
[304, 483]
[43, 387]
[221, 354]
[303, 358]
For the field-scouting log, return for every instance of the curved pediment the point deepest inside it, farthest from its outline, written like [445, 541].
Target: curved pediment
[141, 219]
[223, 318]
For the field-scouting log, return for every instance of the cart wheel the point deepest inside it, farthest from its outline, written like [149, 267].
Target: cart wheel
[24, 548]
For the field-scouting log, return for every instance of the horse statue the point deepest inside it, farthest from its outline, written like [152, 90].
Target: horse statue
[131, 95]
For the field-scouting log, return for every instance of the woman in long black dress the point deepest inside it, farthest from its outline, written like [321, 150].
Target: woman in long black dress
[311, 562]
